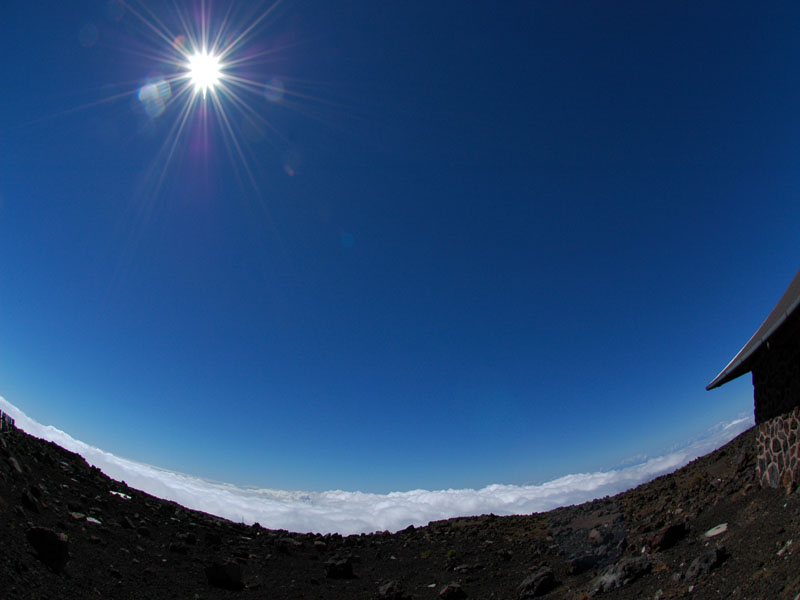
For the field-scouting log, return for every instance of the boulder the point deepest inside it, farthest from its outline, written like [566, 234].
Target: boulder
[668, 536]
[52, 548]
[622, 573]
[339, 568]
[226, 575]
[706, 562]
[595, 537]
[392, 590]
[537, 583]
[580, 564]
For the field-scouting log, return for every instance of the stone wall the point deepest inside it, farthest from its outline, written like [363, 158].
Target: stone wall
[778, 451]
[776, 371]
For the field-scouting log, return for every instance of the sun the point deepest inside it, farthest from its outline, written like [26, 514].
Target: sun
[209, 83]
[205, 71]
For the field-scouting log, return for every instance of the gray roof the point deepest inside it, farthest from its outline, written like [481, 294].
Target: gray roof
[741, 363]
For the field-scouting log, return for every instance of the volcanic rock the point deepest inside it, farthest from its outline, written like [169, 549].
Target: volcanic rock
[622, 573]
[668, 536]
[15, 465]
[718, 530]
[29, 501]
[392, 590]
[190, 554]
[226, 575]
[703, 564]
[452, 591]
[52, 548]
[339, 568]
[537, 583]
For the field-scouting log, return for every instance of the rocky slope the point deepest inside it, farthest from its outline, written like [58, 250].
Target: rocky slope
[706, 531]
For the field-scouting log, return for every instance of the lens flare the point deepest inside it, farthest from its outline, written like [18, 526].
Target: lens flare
[274, 90]
[216, 88]
[209, 91]
[154, 97]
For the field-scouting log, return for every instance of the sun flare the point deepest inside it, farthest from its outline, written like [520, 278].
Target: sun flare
[204, 70]
[210, 82]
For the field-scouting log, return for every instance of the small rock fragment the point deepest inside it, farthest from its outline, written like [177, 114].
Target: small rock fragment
[392, 590]
[29, 501]
[15, 465]
[178, 548]
[126, 522]
[718, 530]
[452, 591]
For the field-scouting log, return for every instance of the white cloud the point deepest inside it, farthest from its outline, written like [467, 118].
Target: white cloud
[356, 512]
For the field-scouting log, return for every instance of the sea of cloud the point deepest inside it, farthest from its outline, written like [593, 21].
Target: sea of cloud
[357, 512]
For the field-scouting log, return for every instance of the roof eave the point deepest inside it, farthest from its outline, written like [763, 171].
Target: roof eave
[738, 366]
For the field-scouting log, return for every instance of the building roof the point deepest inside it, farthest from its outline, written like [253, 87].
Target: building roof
[741, 362]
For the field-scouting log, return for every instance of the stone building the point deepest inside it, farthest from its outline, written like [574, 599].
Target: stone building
[773, 357]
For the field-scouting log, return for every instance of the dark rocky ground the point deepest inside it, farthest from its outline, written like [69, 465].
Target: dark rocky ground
[68, 531]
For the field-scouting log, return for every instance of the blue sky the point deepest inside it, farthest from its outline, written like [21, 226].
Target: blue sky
[467, 244]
